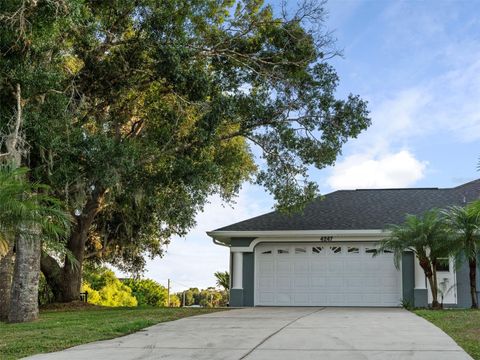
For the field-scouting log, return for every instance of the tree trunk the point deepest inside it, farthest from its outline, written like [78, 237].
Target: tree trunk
[24, 297]
[66, 281]
[72, 273]
[434, 291]
[6, 276]
[427, 269]
[435, 303]
[473, 282]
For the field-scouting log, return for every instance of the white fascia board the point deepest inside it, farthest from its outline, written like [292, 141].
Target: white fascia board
[299, 235]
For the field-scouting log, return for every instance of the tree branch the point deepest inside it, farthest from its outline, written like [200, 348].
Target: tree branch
[13, 138]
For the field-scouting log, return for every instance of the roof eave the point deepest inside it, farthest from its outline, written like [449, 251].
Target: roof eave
[223, 237]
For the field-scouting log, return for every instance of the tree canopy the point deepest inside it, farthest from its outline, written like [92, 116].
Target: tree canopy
[153, 106]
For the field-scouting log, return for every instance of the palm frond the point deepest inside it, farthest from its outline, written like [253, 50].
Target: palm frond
[28, 210]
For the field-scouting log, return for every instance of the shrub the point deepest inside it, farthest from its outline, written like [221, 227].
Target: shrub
[105, 289]
[148, 292]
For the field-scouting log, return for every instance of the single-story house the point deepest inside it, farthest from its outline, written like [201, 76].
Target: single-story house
[323, 256]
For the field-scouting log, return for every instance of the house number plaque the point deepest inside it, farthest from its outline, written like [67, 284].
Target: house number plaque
[326, 238]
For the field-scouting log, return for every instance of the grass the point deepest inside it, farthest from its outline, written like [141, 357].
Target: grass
[462, 325]
[60, 329]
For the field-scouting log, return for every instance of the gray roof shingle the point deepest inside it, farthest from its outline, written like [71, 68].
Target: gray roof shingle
[361, 209]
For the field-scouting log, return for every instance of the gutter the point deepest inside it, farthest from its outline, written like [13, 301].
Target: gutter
[223, 238]
[216, 242]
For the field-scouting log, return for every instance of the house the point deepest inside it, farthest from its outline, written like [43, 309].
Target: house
[323, 256]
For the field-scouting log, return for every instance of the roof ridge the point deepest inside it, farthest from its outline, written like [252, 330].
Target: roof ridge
[467, 183]
[418, 188]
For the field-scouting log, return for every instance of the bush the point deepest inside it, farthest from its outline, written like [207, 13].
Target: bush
[105, 289]
[45, 294]
[148, 292]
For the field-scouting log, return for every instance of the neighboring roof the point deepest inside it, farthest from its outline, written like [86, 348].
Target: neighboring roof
[361, 209]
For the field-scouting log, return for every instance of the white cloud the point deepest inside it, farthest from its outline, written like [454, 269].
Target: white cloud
[443, 106]
[387, 171]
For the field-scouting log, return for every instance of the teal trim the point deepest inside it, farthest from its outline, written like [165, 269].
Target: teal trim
[464, 299]
[248, 278]
[463, 286]
[241, 242]
[236, 297]
[408, 277]
[420, 297]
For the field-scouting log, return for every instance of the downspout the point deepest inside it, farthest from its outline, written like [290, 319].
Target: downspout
[216, 242]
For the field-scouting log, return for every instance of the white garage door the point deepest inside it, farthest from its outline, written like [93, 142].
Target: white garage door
[325, 274]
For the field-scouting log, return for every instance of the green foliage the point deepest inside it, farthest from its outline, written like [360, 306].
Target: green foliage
[462, 325]
[148, 292]
[464, 226]
[209, 297]
[105, 289]
[223, 279]
[175, 301]
[29, 211]
[45, 295]
[153, 106]
[407, 304]
[427, 236]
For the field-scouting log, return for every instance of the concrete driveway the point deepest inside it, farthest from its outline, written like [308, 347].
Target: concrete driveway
[280, 333]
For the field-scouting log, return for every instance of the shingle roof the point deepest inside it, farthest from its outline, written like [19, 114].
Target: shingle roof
[361, 209]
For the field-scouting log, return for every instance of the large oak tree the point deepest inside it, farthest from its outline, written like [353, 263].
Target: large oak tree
[168, 102]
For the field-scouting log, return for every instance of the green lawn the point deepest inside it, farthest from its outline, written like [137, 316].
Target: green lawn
[462, 325]
[60, 329]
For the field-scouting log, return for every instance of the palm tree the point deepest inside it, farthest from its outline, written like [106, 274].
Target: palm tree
[427, 237]
[464, 223]
[28, 218]
[223, 279]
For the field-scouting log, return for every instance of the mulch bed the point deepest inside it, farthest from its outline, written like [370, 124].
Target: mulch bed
[73, 306]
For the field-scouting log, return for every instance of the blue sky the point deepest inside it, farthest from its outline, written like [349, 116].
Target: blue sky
[418, 65]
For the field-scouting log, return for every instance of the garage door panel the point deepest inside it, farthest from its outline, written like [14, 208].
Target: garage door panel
[325, 275]
[284, 266]
[318, 298]
[266, 266]
[335, 282]
[371, 266]
[389, 284]
[265, 297]
[391, 299]
[301, 282]
[266, 282]
[283, 298]
[283, 282]
[334, 267]
[353, 299]
[318, 281]
[353, 283]
[354, 266]
[337, 299]
[372, 299]
[301, 267]
[318, 265]
[301, 299]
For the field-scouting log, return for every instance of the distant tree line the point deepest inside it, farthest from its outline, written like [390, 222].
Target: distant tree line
[105, 289]
[209, 297]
